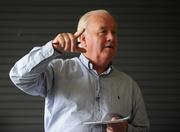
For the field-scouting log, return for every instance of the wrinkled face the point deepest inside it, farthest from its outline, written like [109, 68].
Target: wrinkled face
[101, 38]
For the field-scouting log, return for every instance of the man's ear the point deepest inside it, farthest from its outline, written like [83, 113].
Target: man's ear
[82, 39]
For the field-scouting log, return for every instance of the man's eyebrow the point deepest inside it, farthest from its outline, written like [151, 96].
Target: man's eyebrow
[102, 28]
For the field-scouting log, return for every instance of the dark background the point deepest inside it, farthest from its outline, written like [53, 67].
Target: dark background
[149, 49]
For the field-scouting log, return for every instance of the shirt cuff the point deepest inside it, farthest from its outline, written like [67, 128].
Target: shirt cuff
[49, 51]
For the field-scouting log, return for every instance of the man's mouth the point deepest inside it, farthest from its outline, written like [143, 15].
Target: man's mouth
[109, 46]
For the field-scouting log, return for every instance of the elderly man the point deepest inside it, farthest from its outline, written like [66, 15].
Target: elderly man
[86, 88]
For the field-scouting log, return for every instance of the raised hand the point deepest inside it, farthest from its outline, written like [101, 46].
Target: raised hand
[67, 42]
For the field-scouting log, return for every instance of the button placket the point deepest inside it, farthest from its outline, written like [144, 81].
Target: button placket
[98, 99]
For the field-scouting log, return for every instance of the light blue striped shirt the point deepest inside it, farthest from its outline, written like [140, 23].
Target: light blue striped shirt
[74, 93]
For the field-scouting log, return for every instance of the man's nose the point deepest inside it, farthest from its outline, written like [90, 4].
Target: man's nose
[110, 36]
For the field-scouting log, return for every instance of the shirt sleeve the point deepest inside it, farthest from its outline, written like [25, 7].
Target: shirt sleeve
[139, 119]
[31, 72]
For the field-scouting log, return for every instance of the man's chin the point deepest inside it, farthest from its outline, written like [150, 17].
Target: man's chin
[109, 53]
[108, 58]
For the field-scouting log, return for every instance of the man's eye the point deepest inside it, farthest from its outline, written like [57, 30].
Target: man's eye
[114, 32]
[103, 32]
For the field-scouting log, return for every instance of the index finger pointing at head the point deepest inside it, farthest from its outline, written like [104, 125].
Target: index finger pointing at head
[78, 33]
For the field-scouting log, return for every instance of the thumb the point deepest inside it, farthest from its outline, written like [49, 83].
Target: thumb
[80, 50]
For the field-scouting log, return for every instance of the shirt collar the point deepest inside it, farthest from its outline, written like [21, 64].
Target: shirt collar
[85, 61]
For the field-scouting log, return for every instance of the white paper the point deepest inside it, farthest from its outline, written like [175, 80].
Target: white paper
[106, 122]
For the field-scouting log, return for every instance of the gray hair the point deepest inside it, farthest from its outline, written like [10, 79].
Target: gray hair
[83, 21]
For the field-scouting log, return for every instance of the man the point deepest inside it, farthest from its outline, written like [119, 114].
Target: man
[84, 89]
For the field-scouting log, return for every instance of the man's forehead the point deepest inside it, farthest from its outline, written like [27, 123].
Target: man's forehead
[102, 21]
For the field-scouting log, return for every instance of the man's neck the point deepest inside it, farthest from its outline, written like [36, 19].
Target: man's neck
[100, 69]
[99, 66]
